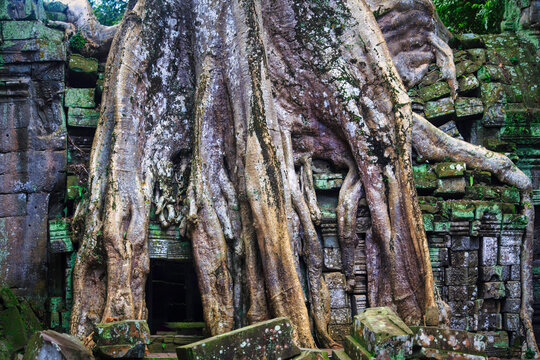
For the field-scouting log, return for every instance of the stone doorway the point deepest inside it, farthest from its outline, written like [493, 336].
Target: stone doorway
[172, 295]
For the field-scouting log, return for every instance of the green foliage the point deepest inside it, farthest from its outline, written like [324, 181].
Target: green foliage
[77, 41]
[109, 12]
[476, 16]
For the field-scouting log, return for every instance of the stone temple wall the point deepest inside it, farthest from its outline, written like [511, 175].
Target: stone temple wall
[49, 103]
[32, 143]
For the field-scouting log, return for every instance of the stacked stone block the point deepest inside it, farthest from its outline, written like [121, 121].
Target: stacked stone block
[32, 145]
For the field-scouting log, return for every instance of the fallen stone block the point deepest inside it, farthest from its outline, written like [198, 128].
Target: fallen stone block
[48, 345]
[270, 339]
[122, 332]
[458, 341]
[380, 331]
[122, 339]
[356, 351]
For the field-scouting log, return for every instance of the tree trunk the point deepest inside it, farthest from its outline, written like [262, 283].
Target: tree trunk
[213, 111]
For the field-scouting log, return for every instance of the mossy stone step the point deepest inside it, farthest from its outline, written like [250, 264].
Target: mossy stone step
[270, 339]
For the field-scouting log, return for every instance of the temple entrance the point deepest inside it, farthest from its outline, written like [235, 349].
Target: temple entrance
[172, 295]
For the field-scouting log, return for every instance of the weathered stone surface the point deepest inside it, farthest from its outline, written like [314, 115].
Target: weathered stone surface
[451, 186]
[122, 332]
[468, 83]
[509, 255]
[50, 345]
[449, 340]
[435, 91]
[494, 273]
[469, 107]
[337, 284]
[83, 66]
[13, 327]
[22, 10]
[493, 290]
[424, 178]
[465, 243]
[511, 305]
[513, 289]
[439, 108]
[327, 181]
[489, 251]
[15, 205]
[381, 331]
[464, 258]
[468, 41]
[55, 6]
[80, 98]
[25, 30]
[488, 73]
[83, 117]
[450, 128]
[270, 339]
[478, 56]
[355, 350]
[511, 322]
[466, 67]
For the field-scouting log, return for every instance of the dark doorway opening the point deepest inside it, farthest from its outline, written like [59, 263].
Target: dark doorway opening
[172, 294]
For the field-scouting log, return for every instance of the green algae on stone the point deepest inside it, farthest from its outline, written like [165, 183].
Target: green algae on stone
[450, 169]
[424, 178]
[466, 107]
[467, 83]
[439, 108]
[466, 67]
[435, 91]
[13, 328]
[26, 30]
[80, 98]
[270, 339]
[80, 117]
[327, 181]
[122, 332]
[56, 16]
[83, 65]
[355, 350]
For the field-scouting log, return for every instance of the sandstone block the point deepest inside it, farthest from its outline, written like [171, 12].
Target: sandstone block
[270, 339]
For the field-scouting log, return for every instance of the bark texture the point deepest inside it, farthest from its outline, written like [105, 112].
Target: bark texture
[213, 111]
